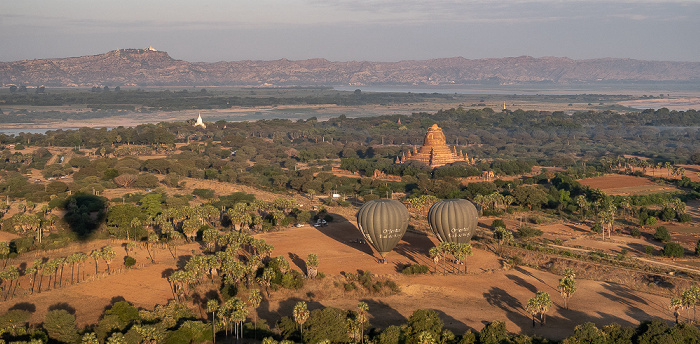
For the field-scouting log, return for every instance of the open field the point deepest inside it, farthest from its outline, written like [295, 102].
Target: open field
[624, 185]
[487, 292]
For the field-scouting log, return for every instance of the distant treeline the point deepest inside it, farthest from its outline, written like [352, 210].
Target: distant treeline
[181, 100]
[548, 138]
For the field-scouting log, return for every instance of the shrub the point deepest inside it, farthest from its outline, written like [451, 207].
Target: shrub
[648, 250]
[146, 180]
[697, 248]
[292, 280]
[597, 227]
[370, 197]
[635, 232]
[684, 218]
[662, 234]
[415, 269]
[528, 232]
[129, 261]
[673, 249]
[498, 223]
[204, 193]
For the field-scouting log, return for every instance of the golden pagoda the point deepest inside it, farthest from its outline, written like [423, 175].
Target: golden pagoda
[434, 152]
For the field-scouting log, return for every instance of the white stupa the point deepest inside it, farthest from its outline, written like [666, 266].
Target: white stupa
[199, 122]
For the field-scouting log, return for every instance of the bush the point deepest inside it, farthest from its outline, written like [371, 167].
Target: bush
[662, 234]
[649, 250]
[498, 223]
[673, 249]
[597, 227]
[635, 232]
[129, 261]
[292, 280]
[146, 180]
[415, 269]
[370, 197]
[204, 193]
[528, 232]
[683, 218]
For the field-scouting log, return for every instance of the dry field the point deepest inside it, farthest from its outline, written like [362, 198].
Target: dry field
[624, 185]
[487, 292]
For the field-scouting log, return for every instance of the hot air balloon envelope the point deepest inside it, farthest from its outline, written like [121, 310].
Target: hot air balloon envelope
[383, 223]
[453, 220]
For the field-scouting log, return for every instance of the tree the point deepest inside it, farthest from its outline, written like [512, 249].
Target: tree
[362, 309]
[125, 180]
[676, 305]
[436, 254]
[539, 305]
[673, 249]
[662, 234]
[89, 338]
[96, 255]
[61, 326]
[532, 196]
[311, 265]
[567, 286]
[503, 237]
[254, 298]
[4, 252]
[212, 307]
[690, 298]
[423, 320]
[108, 256]
[301, 314]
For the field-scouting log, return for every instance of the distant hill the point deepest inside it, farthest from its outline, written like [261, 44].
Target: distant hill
[145, 67]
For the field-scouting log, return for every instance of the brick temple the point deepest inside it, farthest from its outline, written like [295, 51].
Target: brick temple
[434, 152]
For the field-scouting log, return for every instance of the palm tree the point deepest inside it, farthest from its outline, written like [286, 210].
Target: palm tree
[60, 263]
[4, 252]
[108, 256]
[96, 255]
[238, 314]
[212, 307]
[301, 314]
[362, 309]
[503, 237]
[72, 259]
[264, 280]
[254, 298]
[152, 241]
[82, 259]
[31, 272]
[690, 297]
[311, 265]
[567, 286]
[676, 305]
[539, 305]
[435, 253]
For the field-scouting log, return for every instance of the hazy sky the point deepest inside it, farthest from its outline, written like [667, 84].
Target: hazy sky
[344, 30]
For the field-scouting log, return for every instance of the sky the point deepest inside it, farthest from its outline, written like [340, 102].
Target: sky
[353, 30]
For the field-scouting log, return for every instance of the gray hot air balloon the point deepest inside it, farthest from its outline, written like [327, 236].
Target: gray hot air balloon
[383, 222]
[453, 220]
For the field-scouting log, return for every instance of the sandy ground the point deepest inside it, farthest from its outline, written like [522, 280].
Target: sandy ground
[485, 293]
[625, 185]
[680, 104]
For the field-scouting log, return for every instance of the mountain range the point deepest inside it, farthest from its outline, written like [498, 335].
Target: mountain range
[148, 67]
